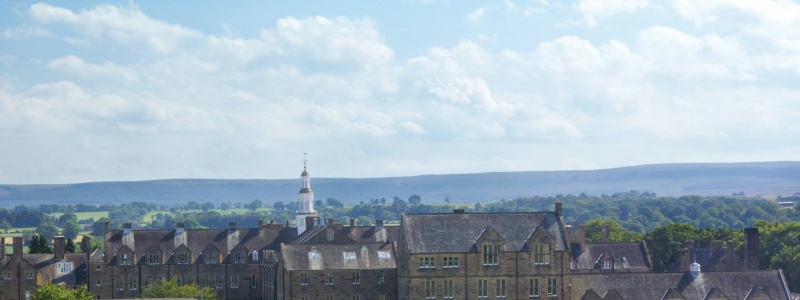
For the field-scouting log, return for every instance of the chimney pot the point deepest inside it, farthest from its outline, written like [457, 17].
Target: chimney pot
[751, 249]
[126, 228]
[558, 209]
[378, 224]
[2, 248]
[582, 236]
[18, 246]
[232, 226]
[352, 222]
[605, 234]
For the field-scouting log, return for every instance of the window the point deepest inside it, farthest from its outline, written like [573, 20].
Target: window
[328, 297]
[303, 298]
[552, 287]
[154, 259]
[183, 258]
[329, 278]
[64, 268]
[349, 255]
[541, 254]
[118, 283]
[238, 257]
[427, 262]
[449, 290]
[490, 254]
[190, 279]
[253, 282]
[303, 278]
[133, 283]
[356, 297]
[572, 265]
[234, 281]
[450, 262]
[314, 255]
[97, 282]
[500, 288]
[97, 267]
[430, 289]
[212, 257]
[383, 255]
[148, 280]
[255, 255]
[356, 277]
[125, 260]
[205, 280]
[533, 288]
[483, 288]
[218, 281]
[380, 297]
[29, 275]
[607, 264]
[7, 276]
[381, 277]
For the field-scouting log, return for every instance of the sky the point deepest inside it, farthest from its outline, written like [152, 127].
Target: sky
[140, 90]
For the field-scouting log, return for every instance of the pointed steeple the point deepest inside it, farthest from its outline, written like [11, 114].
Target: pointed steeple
[305, 199]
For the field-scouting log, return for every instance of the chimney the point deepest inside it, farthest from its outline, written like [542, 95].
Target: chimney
[126, 228]
[568, 231]
[605, 234]
[729, 245]
[582, 236]
[378, 224]
[685, 259]
[2, 248]
[558, 209]
[751, 251]
[232, 226]
[86, 243]
[330, 236]
[715, 244]
[59, 247]
[458, 211]
[179, 229]
[106, 226]
[260, 223]
[352, 222]
[18, 246]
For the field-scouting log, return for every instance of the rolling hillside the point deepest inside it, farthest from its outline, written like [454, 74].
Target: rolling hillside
[781, 178]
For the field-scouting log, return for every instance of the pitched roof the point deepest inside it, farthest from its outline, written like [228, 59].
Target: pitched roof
[626, 256]
[359, 256]
[457, 232]
[711, 259]
[735, 285]
[268, 237]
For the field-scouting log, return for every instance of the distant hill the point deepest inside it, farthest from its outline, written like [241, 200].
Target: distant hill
[771, 178]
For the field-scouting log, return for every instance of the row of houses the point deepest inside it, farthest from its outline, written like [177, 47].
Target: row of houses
[458, 255]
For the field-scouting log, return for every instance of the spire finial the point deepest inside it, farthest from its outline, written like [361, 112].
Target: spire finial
[304, 160]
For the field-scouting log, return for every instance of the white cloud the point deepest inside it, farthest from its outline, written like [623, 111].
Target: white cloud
[476, 15]
[24, 32]
[593, 9]
[76, 65]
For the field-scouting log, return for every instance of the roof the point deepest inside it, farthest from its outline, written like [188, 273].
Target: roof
[735, 285]
[712, 259]
[457, 232]
[268, 237]
[626, 256]
[359, 256]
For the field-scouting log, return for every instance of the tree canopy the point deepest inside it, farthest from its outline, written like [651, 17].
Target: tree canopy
[50, 291]
[171, 289]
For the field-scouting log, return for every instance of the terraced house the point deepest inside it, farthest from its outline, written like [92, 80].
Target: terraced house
[458, 255]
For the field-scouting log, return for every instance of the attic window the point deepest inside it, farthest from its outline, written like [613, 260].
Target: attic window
[238, 257]
[255, 255]
[624, 260]
[607, 264]
[349, 255]
[383, 254]
[212, 257]
[64, 268]
[125, 260]
[314, 255]
[183, 258]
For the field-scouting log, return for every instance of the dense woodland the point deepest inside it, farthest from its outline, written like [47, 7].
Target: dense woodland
[663, 222]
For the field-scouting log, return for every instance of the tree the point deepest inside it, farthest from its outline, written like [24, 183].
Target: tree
[414, 199]
[99, 227]
[193, 205]
[71, 229]
[254, 205]
[5, 225]
[664, 244]
[279, 205]
[225, 206]
[70, 246]
[48, 230]
[67, 217]
[50, 291]
[206, 206]
[616, 233]
[39, 244]
[171, 289]
[333, 202]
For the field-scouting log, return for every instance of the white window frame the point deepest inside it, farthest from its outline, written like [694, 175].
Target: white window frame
[430, 289]
[541, 254]
[500, 288]
[491, 254]
[450, 262]
[552, 287]
[64, 268]
[427, 262]
[533, 288]
[483, 288]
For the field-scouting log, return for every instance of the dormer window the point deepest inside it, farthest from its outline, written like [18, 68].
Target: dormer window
[541, 254]
[314, 255]
[182, 258]
[238, 257]
[491, 254]
[383, 254]
[607, 264]
[255, 255]
[349, 255]
[212, 257]
[126, 260]
[154, 259]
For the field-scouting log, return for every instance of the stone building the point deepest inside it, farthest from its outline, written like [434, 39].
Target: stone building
[22, 273]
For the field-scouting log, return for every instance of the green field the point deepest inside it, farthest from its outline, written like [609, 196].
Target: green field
[149, 216]
[85, 215]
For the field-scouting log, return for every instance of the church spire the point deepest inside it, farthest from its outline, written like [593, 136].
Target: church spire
[305, 198]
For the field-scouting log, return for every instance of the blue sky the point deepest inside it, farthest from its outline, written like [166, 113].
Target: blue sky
[106, 91]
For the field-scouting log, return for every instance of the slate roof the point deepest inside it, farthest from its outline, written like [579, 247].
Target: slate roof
[712, 259]
[372, 234]
[47, 267]
[636, 256]
[457, 232]
[332, 257]
[269, 237]
[735, 285]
